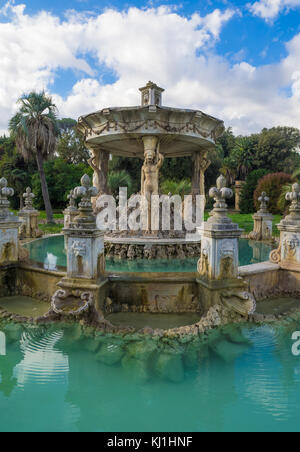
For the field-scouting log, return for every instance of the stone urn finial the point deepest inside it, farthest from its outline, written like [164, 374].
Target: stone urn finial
[294, 196]
[29, 197]
[264, 201]
[220, 193]
[5, 193]
[85, 192]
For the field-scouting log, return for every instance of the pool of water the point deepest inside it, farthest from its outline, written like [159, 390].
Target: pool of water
[24, 306]
[57, 379]
[50, 254]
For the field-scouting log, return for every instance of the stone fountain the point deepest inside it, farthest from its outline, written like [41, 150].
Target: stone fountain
[152, 133]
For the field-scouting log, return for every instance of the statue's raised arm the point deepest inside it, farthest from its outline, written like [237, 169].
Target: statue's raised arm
[160, 160]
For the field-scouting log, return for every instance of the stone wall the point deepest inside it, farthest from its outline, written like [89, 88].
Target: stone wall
[153, 293]
[37, 283]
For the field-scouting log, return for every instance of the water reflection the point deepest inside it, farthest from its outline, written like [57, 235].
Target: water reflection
[57, 379]
[50, 262]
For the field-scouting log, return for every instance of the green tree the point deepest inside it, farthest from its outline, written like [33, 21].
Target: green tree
[132, 166]
[184, 187]
[61, 178]
[272, 184]
[70, 145]
[34, 129]
[248, 189]
[277, 149]
[117, 179]
[241, 160]
[226, 142]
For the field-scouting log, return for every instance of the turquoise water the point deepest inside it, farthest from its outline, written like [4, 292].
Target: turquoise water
[55, 379]
[50, 254]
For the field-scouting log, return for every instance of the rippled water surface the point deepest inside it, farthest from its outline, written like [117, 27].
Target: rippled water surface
[56, 379]
[50, 254]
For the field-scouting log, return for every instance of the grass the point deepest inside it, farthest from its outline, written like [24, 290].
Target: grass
[246, 222]
[51, 228]
[56, 216]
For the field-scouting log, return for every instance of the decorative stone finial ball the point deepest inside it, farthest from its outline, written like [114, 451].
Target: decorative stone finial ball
[4, 190]
[85, 181]
[221, 182]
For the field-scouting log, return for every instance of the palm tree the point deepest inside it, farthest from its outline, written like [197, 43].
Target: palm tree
[184, 187]
[117, 179]
[34, 129]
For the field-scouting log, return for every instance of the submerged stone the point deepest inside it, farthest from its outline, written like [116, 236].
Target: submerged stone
[110, 353]
[235, 335]
[93, 344]
[170, 367]
[136, 369]
[13, 332]
[142, 350]
[229, 351]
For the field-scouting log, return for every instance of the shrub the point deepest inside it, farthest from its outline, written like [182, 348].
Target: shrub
[248, 189]
[272, 184]
[118, 179]
[184, 187]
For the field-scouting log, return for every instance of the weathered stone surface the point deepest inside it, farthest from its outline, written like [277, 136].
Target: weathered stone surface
[170, 367]
[263, 225]
[110, 353]
[229, 351]
[142, 350]
[136, 369]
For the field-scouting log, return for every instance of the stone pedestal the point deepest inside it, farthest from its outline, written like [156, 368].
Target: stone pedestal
[263, 221]
[218, 265]
[85, 253]
[288, 253]
[84, 242]
[85, 257]
[70, 213]
[29, 228]
[29, 216]
[69, 216]
[9, 225]
[238, 187]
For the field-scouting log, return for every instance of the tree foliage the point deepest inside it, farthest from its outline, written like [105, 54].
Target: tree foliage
[272, 185]
[248, 189]
[70, 145]
[61, 177]
[34, 129]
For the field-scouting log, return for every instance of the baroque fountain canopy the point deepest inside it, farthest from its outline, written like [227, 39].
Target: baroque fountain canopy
[120, 130]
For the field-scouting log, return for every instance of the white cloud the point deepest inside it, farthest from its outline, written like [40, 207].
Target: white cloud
[269, 9]
[141, 45]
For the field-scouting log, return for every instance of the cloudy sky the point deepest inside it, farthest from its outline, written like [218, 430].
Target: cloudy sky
[237, 60]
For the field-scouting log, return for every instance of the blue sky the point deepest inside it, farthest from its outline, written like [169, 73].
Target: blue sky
[237, 60]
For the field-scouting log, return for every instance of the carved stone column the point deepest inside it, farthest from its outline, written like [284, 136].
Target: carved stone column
[200, 165]
[288, 253]
[263, 225]
[99, 163]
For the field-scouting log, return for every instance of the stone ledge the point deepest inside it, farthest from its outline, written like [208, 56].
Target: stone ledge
[262, 267]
